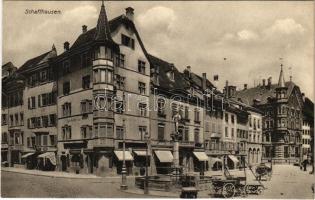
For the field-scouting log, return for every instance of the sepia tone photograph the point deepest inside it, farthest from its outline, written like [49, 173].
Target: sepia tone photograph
[157, 99]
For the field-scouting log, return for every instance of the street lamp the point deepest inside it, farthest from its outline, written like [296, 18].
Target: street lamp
[146, 183]
[123, 185]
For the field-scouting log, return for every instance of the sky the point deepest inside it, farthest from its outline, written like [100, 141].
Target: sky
[252, 36]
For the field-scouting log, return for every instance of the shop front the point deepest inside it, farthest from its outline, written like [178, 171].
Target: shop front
[47, 161]
[163, 161]
[200, 162]
[141, 161]
[119, 158]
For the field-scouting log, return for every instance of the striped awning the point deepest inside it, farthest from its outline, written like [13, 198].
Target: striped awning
[164, 156]
[120, 155]
[49, 155]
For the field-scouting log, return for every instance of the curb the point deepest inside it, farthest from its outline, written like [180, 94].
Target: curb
[140, 192]
[59, 176]
[163, 194]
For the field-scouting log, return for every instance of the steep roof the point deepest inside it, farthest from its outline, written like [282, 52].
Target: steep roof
[102, 27]
[8, 65]
[196, 79]
[164, 81]
[261, 93]
[37, 60]
[281, 82]
[87, 37]
[102, 31]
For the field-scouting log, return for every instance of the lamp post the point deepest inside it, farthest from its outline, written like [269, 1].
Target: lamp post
[146, 183]
[123, 185]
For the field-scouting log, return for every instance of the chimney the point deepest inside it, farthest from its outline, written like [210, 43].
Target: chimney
[232, 91]
[204, 81]
[188, 71]
[264, 82]
[66, 46]
[303, 97]
[245, 86]
[226, 89]
[130, 13]
[84, 29]
[172, 66]
[269, 82]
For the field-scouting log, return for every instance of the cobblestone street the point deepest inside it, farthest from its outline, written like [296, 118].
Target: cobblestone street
[288, 182]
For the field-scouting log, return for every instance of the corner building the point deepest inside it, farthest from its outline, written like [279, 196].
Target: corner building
[103, 94]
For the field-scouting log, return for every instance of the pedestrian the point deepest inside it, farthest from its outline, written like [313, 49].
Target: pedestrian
[304, 164]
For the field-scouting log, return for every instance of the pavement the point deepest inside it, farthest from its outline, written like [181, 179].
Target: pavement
[287, 182]
[21, 185]
[55, 174]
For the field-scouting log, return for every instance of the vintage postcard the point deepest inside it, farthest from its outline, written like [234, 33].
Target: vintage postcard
[157, 99]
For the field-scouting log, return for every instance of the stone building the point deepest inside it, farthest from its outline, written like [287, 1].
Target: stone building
[171, 94]
[105, 88]
[282, 106]
[103, 94]
[12, 119]
[308, 129]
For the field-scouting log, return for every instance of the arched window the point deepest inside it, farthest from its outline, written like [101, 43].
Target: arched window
[257, 157]
[249, 155]
[253, 155]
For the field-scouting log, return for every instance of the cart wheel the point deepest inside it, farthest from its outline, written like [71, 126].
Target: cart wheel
[228, 190]
[259, 190]
[247, 189]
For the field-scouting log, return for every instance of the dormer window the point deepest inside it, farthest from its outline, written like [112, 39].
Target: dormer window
[172, 77]
[127, 41]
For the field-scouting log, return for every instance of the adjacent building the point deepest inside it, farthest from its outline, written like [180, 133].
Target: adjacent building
[282, 106]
